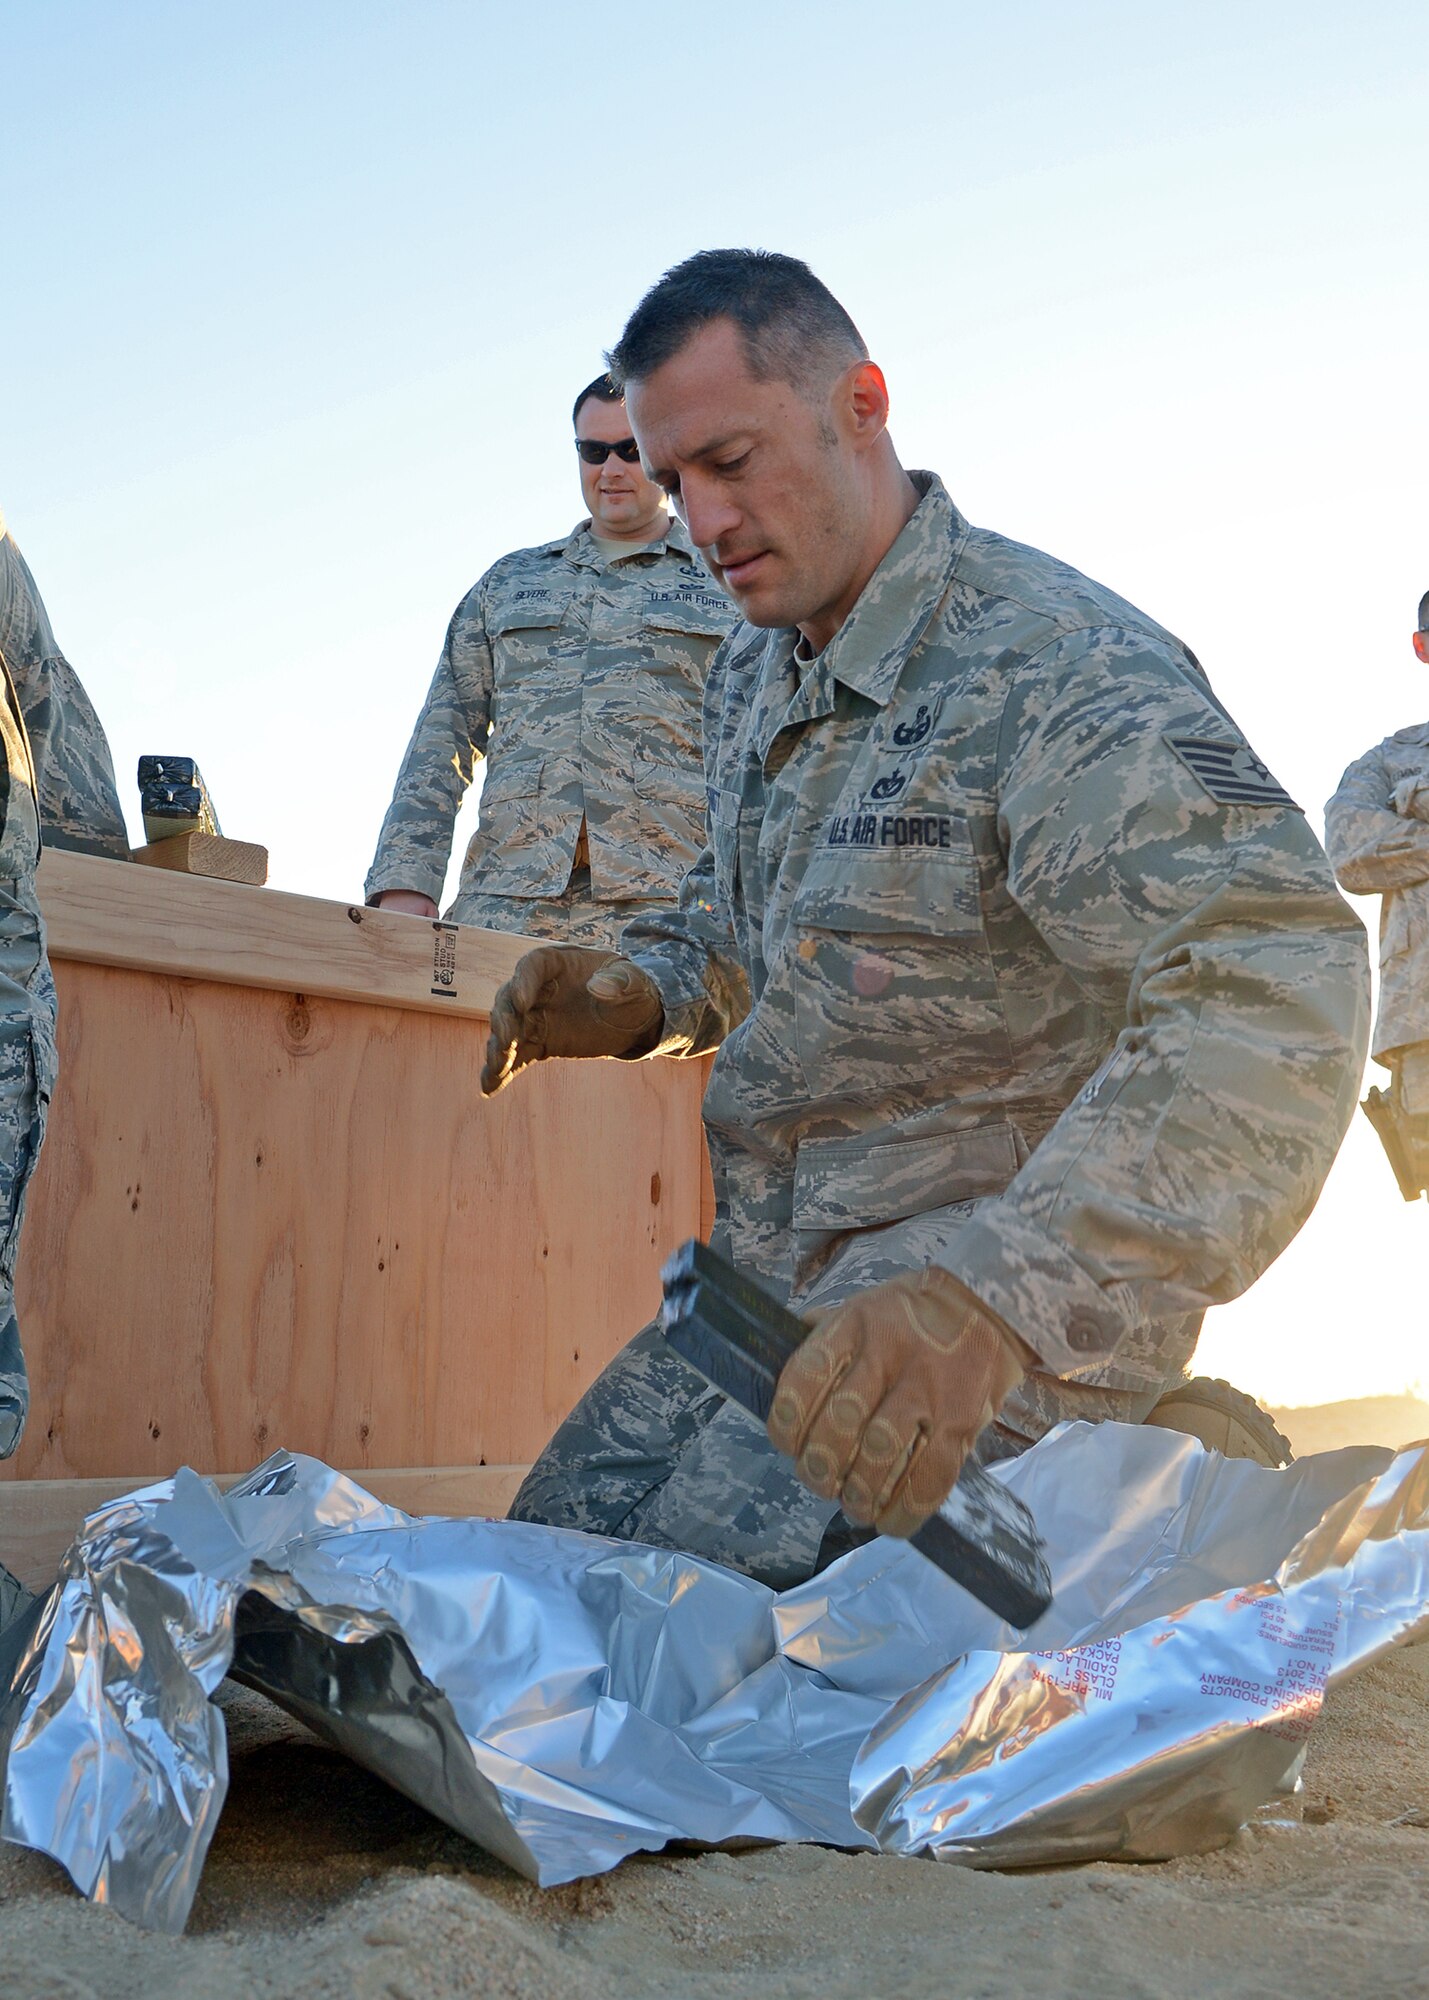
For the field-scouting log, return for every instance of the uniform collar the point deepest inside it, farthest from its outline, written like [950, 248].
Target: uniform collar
[870, 648]
[579, 546]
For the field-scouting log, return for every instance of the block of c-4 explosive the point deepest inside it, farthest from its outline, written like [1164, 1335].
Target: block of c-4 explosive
[174, 798]
[739, 1337]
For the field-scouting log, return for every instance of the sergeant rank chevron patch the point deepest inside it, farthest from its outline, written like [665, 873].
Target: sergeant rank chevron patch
[1231, 772]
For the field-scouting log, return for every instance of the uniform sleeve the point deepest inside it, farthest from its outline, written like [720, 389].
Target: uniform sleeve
[1213, 930]
[74, 769]
[1371, 847]
[415, 843]
[692, 951]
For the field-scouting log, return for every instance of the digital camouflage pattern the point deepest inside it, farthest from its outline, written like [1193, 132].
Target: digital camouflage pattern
[573, 917]
[653, 1454]
[27, 1005]
[580, 680]
[79, 800]
[27, 1078]
[1377, 837]
[999, 981]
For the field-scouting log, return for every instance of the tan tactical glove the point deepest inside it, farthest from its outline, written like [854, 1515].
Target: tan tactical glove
[563, 1000]
[881, 1404]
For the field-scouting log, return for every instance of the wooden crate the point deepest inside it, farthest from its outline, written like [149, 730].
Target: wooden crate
[274, 1210]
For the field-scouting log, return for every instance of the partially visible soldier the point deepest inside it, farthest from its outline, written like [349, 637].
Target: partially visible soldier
[27, 994]
[1377, 836]
[1039, 1018]
[74, 771]
[577, 670]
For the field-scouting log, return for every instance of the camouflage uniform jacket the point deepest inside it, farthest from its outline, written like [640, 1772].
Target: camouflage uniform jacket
[25, 969]
[1377, 835]
[19, 810]
[999, 982]
[27, 994]
[79, 800]
[581, 681]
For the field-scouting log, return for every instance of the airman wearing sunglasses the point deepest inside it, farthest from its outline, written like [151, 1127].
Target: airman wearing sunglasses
[576, 669]
[1377, 837]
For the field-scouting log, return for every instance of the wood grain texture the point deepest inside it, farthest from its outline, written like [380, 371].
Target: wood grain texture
[209, 854]
[707, 1186]
[266, 1218]
[39, 1518]
[111, 913]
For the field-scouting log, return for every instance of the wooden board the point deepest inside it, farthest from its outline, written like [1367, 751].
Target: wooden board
[111, 913]
[209, 854]
[39, 1518]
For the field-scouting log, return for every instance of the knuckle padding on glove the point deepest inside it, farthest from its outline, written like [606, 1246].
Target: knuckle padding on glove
[840, 1425]
[890, 1449]
[805, 1385]
[882, 1404]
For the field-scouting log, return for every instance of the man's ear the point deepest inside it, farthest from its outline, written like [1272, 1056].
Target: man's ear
[1421, 646]
[864, 394]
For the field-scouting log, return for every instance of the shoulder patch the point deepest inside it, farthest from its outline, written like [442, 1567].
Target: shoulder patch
[1230, 771]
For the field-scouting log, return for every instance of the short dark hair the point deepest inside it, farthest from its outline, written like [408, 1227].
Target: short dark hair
[789, 319]
[603, 389]
[1424, 612]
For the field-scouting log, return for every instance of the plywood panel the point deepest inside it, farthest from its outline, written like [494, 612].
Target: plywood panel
[269, 1218]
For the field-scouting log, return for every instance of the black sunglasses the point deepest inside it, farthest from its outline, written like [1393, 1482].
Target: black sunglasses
[596, 453]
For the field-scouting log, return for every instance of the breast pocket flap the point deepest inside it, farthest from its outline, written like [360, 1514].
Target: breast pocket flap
[933, 889]
[527, 614]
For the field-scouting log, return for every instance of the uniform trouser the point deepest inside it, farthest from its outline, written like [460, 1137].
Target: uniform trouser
[653, 1454]
[573, 917]
[27, 1015]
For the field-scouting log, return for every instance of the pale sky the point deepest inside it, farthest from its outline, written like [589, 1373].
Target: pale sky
[298, 297]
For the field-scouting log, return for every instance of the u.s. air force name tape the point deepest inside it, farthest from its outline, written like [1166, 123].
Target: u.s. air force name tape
[1230, 771]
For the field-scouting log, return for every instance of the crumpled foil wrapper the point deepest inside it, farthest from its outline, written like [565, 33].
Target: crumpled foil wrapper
[566, 1700]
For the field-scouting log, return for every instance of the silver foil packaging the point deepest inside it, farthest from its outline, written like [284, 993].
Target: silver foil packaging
[566, 1700]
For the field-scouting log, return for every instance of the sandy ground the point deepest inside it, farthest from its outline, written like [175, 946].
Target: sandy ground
[323, 1882]
[1388, 1420]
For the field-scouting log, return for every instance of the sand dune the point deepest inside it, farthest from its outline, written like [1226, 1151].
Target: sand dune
[1388, 1420]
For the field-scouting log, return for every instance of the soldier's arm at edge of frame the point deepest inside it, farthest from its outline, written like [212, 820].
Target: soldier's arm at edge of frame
[1371, 847]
